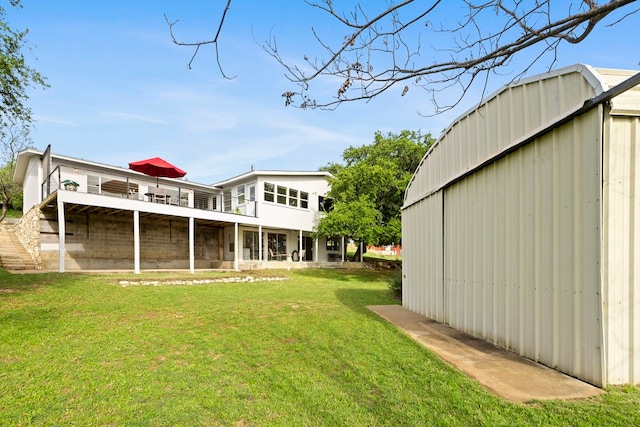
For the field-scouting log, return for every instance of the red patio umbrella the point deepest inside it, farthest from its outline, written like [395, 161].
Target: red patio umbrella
[157, 167]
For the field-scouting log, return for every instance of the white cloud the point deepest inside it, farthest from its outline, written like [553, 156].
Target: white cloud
[134, 117]
[54, 120]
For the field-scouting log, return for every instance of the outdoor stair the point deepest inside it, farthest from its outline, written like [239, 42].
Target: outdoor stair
[13, 256]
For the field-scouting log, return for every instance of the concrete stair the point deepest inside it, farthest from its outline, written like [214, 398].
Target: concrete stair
[13, 256]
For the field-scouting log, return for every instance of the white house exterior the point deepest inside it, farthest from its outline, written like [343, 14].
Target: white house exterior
[285, 201]
[521, 226]
[120, 219]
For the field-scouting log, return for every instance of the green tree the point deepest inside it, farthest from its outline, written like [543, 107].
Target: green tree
[15, 116]
[15, 137]
[15, 75]
[368, 188]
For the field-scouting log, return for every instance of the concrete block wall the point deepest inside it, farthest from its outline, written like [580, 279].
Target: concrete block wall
[105, 242]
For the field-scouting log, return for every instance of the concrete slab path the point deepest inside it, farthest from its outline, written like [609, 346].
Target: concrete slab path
[503, 372]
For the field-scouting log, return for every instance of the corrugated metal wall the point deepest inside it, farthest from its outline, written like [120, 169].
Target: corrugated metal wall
[535, 246]
[510, 116]
[511, 254]
[621, 249]
[422, 251]
[522, 250]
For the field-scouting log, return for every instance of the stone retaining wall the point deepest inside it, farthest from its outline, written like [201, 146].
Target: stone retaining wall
[28, 232]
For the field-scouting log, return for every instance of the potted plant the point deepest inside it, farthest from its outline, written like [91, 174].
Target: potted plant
[70, 185]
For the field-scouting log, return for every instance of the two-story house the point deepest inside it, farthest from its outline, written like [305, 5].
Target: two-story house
[84, 215]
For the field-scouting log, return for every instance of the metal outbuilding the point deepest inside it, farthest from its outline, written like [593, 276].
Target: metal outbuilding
[521, 225]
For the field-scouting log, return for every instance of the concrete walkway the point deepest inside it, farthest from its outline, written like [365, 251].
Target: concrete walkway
[503, 372]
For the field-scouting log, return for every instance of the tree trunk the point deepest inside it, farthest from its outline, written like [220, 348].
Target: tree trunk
[360, 256]
[5, 205]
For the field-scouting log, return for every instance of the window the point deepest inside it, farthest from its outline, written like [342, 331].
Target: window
[252, 193]
[240, 194]
[293, 197]
[333, 244]
[325, 204]
[250, 245]
[277, 246]
[269, 192]
[282, 195]
[226, 200]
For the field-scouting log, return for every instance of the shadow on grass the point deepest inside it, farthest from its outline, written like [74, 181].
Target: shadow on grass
[359, 299]
[11, 283]
[360, 275]
[32, 320]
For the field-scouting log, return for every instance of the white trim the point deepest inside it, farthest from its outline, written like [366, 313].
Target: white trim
[257, 173]
[136, 242]
[300, 247]
[235, 248]
[315, 253]
[61, 235]
[260, 252]
[192, 267]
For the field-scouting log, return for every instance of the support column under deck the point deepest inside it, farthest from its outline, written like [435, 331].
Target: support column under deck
[62, 231]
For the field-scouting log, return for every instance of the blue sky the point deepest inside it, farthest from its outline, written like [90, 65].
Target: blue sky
[120, 89]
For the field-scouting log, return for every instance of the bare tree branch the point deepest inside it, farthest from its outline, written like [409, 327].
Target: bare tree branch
[382, 44]
[198, 45]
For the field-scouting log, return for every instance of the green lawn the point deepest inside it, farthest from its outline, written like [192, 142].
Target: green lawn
[82, 350]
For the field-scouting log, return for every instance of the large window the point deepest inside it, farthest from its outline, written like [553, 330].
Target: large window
[269, 192]
[293, 197]
[240, 194]
[250, 246]
[285, 196]
[226, 199]
[277, 246]
[333, 244]
[325, 204]
[282, 195]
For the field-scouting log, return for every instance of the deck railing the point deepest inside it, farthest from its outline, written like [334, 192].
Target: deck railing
[137, 188]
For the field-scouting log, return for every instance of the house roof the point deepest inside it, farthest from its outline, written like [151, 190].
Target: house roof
[517, 113]
[272, 173]
[25, 155]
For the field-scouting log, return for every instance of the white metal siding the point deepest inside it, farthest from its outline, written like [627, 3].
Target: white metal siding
[628, 103]
[510, 116]
[621, 249]
[522, 251]
[422, 258]
[541, 248]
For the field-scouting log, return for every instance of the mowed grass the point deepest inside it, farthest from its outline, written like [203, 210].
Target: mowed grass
[82, 350]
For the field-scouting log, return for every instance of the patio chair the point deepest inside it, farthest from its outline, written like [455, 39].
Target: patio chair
[160, 195]
[278, 257]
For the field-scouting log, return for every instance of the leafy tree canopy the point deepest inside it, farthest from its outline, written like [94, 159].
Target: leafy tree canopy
[368, 188]
[15, 75]
[15, 116]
